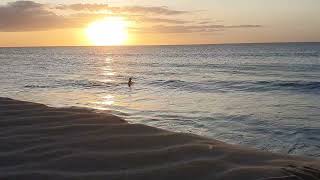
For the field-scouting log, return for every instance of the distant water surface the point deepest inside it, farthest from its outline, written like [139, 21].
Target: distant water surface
[266, 96]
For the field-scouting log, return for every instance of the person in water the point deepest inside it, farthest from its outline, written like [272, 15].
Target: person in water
[130, 82]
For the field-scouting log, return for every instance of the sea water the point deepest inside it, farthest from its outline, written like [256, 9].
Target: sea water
[266, 96]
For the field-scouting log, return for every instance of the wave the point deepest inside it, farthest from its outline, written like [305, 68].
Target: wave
[280, 54]
[201, 86]
[247, 86]
[292, 84]
[38, 86]
[75, 84]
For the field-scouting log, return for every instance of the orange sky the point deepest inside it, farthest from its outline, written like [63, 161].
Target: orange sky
[54, 23]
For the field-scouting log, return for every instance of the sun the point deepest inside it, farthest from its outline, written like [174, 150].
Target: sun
[107, 32]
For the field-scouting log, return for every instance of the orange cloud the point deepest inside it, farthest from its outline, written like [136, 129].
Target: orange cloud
[161, 10]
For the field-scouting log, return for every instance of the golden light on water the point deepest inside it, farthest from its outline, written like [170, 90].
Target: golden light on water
[108, 100]
[107, 32]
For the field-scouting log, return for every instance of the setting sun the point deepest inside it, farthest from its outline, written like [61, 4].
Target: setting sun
[109, 31]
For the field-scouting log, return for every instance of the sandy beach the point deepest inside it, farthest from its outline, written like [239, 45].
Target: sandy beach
[41, 142]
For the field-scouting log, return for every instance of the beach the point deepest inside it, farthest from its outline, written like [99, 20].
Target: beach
[41, 142]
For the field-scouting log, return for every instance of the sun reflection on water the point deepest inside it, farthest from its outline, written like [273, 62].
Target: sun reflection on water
[107, 75]
[108, 100]
[107, 70]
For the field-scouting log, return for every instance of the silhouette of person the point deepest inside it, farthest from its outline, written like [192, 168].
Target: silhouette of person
[130, 82]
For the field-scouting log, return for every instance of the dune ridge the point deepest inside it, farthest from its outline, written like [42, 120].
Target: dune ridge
[41, 142]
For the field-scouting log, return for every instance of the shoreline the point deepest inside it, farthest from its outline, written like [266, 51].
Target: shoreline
[41, 142]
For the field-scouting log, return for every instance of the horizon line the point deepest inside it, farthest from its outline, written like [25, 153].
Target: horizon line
[200, 44]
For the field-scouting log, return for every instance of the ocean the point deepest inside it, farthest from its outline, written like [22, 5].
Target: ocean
[265, 96]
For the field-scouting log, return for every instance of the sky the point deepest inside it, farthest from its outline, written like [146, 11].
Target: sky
[153, 22]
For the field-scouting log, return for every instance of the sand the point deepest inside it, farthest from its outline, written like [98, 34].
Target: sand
[41, 142]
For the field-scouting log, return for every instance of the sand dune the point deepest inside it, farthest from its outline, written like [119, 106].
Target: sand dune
[40, 142]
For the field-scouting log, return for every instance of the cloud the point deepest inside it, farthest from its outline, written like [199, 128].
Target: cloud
[158, 10]
[157, 20]
[193, 28]
[26, 16]
[32, 16]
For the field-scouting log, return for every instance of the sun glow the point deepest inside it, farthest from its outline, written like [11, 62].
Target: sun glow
[109, 31]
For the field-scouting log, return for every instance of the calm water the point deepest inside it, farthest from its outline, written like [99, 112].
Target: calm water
[266, 96]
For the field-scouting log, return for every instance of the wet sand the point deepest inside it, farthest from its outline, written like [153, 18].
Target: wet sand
[41, 142]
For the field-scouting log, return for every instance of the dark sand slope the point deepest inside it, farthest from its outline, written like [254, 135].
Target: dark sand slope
[40, 142]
